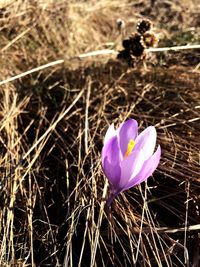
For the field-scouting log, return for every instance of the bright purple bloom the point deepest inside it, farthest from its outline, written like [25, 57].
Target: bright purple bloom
[128, 159]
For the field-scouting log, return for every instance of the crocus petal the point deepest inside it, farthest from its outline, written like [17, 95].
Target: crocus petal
[111, 161]
[113, 173]
[146, 140]
[146, 171]
[111, 132]
[127, 131]
[131, 166]
[106, 151]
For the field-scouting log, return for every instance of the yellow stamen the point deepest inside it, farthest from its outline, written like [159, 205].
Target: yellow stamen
[130, 147]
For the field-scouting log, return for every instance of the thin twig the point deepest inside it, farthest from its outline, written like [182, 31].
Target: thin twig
[15, 39]
[173, 48]
[97, 233]
[186, 224]
[159, 49]
[86, 116]
[169, 230]
[32, 71]
[95, 53]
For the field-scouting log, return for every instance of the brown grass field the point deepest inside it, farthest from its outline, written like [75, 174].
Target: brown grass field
[52, 124]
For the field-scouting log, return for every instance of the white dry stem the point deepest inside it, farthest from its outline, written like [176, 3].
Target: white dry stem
[86, 116]
[92, 54]
[94, 247]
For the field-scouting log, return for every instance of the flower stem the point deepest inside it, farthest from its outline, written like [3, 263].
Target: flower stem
[110, 200]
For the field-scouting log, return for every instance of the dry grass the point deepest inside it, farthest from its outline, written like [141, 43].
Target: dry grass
[52, 124]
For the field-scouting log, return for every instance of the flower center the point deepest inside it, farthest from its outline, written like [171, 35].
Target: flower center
[130, 147]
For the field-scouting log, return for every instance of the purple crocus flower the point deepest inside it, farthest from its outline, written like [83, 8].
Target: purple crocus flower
[128, 159]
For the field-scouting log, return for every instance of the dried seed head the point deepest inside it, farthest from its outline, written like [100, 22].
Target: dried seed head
[135, 37]
[126, 44]
[125, 56]
[150, 39]
[120, 25]
[144, 26]
[136, 46]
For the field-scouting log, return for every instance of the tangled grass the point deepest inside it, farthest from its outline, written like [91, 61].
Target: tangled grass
[52, 124]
